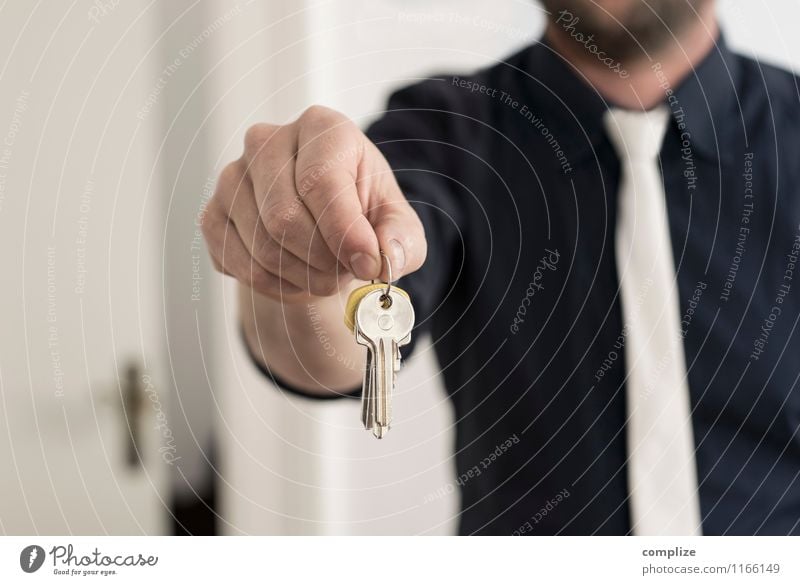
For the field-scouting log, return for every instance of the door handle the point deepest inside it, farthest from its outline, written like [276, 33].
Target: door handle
[132, 395]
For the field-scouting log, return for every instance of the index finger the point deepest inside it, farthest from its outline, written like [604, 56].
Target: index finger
[330, 149]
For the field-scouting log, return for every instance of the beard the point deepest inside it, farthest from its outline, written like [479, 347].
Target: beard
[626, 30]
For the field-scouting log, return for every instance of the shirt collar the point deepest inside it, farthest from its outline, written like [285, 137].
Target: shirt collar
[703, 106]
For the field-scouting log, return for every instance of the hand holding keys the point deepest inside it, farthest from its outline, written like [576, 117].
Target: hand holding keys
[381, 317]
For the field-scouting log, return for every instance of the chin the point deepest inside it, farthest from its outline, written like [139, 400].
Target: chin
[623, 28]
[607, 14]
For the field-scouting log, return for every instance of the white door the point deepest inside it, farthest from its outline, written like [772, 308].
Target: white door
[80, 299]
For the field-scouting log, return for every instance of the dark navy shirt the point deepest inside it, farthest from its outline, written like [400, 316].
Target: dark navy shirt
[516, 184]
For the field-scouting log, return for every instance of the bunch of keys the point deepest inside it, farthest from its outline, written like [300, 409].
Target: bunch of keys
[381, 317]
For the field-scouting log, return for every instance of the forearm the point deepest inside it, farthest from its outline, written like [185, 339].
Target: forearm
[305, 344]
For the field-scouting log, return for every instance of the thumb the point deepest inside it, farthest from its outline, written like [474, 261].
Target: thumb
[400, 235]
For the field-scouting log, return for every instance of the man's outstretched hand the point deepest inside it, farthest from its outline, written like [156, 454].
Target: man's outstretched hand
[307, 207]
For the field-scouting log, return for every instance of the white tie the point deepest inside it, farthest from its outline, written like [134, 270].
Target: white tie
[662, 475]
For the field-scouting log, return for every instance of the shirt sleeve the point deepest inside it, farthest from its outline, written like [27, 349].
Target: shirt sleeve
[285, 386]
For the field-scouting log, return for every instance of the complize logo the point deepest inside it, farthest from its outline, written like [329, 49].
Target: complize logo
[31, 558]
[67, 561]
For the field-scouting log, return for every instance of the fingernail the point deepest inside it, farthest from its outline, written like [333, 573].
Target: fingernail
[363, 266]
[398, 256]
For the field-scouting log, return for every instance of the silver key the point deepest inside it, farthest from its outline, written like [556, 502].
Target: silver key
[367, 417]
[368, 404]
[368, 387]
[383, 327]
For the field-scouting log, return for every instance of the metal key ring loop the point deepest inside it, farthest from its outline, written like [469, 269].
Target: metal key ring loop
[389, 271]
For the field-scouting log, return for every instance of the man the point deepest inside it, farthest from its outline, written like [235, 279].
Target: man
[601, 234]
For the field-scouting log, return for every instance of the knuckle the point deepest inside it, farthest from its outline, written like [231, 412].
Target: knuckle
[255, 137]
[251, 274]
[311, 178]
[323, 258]
[260, 280]
[267, 253]
[329, 130]
[339, 232]
[230, 175]
[317, 113]
[277, 223]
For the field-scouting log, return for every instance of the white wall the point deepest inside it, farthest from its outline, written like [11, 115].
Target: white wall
[291, 466]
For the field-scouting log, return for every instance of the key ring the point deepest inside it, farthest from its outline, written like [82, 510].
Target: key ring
[386, 299]
[389, 271]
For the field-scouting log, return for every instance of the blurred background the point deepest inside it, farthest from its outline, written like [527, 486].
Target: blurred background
[127, 404]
